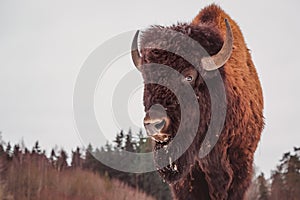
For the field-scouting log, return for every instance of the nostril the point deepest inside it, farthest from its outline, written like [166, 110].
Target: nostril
[160, 125]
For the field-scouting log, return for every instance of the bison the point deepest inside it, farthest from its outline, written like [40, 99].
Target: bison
[226, 172]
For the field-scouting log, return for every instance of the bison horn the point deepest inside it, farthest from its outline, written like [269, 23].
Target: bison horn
[216, 61]
[137, 60]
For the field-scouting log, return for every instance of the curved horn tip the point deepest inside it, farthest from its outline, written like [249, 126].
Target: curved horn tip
[228, 27]
[216, 61]
[135, 54]
[136, 34]
[226, 21]
[134, 45]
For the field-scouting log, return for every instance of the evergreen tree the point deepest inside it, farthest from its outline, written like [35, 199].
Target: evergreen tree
[119, 141]
[108, 147]
[36, 148]
[17, 154]
[62, 160]
[90, 161]
[8, 151]
[2, 143]
[3, 164]
[263, 187]
[277, 186]
[53, 158]
[140, 143]
[286, 179]
[2, 152]
[76, 158]
[129, 143]
[292, 176]
[16, 150]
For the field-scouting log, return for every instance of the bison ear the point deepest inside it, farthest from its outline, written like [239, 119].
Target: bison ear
[216, 61]
[135, 54]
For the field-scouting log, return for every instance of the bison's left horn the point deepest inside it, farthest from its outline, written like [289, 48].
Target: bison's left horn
[216, 61]
[136, 58]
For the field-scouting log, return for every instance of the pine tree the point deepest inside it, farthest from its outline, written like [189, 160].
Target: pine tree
[108, 147]
[277, 187]
[76, 158]
[2, 143]
[286, 179]
[119, 141]
[8, 151]
[129, 143]
[3, 163]
[90, 161]
[292, 175]
[263, 187]
[53, 158]
[17, 154]
[2, 152]
[36, 148]
[62, 160]
[141, 142]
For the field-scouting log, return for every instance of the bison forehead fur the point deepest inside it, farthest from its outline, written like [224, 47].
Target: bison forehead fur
[225, 173]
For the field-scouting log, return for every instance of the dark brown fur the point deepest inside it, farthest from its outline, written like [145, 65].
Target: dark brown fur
[225, 173]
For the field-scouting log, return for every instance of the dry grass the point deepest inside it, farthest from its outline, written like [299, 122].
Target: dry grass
[39, 180]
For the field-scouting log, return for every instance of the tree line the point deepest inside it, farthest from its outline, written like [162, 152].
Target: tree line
[284, 182]
[32, 174]
[149, 182]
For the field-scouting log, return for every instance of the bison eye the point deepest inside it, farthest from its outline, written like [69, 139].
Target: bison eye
[189, 78]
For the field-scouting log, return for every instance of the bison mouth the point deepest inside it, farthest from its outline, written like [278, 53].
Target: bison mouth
[164, 151]
[171, 157]
[161, 138]
[169, 168]
[162, 128]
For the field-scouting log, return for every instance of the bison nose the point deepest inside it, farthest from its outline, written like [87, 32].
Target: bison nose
[156, 129]
[160, 125]
[154, 126]
[156, 123]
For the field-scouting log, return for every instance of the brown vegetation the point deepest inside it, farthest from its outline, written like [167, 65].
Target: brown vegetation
[284, 182]
[32, 176]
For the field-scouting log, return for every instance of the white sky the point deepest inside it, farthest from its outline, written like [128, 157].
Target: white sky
[43, 45]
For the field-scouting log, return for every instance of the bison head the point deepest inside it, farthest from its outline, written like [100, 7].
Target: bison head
[163, 110]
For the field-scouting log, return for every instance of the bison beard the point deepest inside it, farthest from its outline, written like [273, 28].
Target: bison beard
[225, 173]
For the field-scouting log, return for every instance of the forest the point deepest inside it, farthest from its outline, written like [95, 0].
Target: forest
[32, 174]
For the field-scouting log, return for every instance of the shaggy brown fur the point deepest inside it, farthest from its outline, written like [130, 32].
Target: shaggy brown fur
[225, 173]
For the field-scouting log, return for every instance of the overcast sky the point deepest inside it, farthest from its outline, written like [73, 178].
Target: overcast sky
[43, 45]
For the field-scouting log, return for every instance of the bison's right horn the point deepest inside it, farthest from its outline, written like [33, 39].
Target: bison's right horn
[136, 58]
[216, 61]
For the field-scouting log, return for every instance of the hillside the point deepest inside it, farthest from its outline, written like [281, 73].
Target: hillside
[31, 176]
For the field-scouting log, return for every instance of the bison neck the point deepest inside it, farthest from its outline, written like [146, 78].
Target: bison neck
[194, 186]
